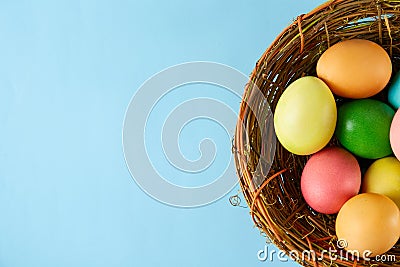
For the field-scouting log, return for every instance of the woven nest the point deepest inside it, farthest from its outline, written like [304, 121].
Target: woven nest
[270, 175]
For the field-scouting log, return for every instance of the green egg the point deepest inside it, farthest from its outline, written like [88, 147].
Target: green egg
[363, 127]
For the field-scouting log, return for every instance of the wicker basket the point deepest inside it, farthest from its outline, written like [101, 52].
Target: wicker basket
[274, 196]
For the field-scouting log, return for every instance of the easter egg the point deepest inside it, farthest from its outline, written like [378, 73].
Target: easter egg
[383, 177]
[363, 128]
[394, 91]
[355, 68]
[330, 177]
[368, 222]
[395, 134]
[305, 116]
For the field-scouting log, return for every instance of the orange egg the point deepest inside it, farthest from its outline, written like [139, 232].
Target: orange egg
[355, 68]
[368, 223]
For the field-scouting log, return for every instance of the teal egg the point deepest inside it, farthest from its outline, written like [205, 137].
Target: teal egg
[363, 128]
[394, 91]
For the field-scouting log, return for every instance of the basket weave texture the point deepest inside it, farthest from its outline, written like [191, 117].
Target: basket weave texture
[270, 178]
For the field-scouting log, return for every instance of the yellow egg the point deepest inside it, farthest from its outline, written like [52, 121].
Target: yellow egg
[305, 116]
[355, 68]
[369, 224]
[383, 177]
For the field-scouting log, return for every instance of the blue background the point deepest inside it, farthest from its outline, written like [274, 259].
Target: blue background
[68, 70]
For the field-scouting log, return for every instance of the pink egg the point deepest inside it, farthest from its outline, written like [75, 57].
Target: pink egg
[330, 177]
[395, 134]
